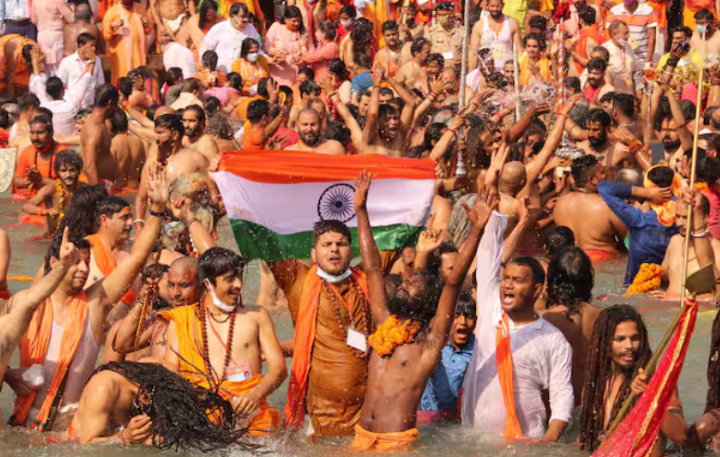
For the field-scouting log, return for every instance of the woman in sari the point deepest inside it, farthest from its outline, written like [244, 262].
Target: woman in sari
[286, 43]
[326, 50]
[251, 65]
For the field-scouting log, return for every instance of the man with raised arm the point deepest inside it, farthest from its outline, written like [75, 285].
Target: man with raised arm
[517, 353]
[398, 371]
[220, 341]
[65, 332]
[23, 304]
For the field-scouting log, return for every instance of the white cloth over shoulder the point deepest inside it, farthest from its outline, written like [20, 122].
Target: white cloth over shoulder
[542, 357]
[177, 55]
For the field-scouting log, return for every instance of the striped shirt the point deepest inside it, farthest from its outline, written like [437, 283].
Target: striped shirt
[638, 22]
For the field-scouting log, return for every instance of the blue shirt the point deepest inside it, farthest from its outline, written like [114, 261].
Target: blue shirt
[362, 81]
[443, 387]
[648, 237]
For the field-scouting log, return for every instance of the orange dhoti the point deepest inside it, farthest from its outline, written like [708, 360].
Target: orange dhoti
[394, 441]
[600, 256]
[188, 330]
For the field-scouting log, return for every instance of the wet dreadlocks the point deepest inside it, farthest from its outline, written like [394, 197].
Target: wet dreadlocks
[713, 370]
[183, 415]
[599, 372]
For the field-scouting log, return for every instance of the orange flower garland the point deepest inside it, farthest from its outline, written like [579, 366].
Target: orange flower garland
[648, 278]
[392, 334]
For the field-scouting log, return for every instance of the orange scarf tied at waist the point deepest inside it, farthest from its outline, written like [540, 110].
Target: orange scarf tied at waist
[33, 348]
[190, 350]
[106, 263]
[666, 211]
[304, 339]
[503, 358]
[394, 441]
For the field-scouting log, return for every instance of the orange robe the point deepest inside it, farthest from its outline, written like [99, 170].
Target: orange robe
[545, 70]
[21, 76]
[29, 158]
[106, 263]
[33, 348]
[383, 442]
[190, 350]
[589, 32]
[127, 49]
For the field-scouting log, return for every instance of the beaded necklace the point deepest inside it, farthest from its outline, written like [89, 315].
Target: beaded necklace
[363, 309]
[60, 189]
[228, 348]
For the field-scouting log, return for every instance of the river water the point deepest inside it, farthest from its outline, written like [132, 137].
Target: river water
[447, 439]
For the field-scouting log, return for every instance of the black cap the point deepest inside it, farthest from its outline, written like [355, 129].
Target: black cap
[445, 6]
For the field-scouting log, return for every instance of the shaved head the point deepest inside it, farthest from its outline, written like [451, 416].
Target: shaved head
[163, 110]
[83, 13]
[513, 176]
[183, 282]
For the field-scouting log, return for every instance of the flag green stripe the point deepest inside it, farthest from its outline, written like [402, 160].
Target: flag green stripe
[258, 242]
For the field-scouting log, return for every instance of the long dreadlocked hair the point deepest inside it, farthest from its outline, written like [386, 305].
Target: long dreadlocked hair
[713, 370]
[183, 415]
[599, 372]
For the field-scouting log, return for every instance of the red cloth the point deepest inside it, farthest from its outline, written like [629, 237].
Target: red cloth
[600, 256]
[591, 31]
[713, 220]
[589, 93]
[637, 433]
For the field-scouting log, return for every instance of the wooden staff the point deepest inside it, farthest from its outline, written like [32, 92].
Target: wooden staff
[688, 234]
[403, 19]
[147, 301]
[460, 167]
[516, 81]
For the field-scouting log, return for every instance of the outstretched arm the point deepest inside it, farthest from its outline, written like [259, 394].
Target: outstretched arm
[370, 131]
[440, 325]
[406, 117]
[369, 252]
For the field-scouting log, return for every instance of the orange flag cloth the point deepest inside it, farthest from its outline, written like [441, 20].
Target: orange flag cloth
[192, 367]
[106, 263]
[34, 347]
[666, 211]
[503, 358]
[394, 441]
[304, 339]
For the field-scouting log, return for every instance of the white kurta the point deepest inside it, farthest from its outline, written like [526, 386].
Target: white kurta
[542, 357]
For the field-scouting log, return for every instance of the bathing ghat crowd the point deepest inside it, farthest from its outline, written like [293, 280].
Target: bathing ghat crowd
[573, 133]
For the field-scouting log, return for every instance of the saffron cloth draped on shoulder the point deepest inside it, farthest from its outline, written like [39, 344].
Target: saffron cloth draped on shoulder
[273, 198]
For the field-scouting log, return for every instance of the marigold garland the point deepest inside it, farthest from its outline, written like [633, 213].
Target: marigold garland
[392, 334]
[60, 189]
[649, 278]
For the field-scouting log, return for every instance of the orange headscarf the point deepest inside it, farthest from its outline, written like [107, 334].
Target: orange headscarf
[33, 348]
[503, 358]
[666, 211]
[304, 339]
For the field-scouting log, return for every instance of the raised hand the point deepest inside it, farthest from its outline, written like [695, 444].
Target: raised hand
[362, 187]
[497, 162]
[157, 184]
[479, 215]
[377, 77]
[430, 240]
[327, 84]
[659, 195]
[69, 254]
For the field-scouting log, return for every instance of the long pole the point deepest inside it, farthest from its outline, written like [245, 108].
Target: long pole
[516, 81]
[688, 234]
[460, 168]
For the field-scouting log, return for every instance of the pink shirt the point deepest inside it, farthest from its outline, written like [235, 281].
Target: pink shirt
[713, 220]
[50, 14]
[319, 58]
[279, 37]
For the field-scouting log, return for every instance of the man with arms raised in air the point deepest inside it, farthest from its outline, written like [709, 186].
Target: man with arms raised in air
[56, 196]
[517, 353]
[398, 371]
[618, 350]
[598, 230]
[309, 129]
[221, 340]
[170, 154]
[100, 164]
[66, 331]
[193, 119]
[19, 310]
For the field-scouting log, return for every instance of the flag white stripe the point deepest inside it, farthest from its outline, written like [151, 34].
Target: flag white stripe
[292, 208]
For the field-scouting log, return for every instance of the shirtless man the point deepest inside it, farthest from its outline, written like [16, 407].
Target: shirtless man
[100, 164]
[597, 123]
[128, 151]
[397, 376]
[705, 19]
[308, 128]
[388, 58]
[15, 320]
[171, 16]
[193, 119]
[83, 24]
[503, 31]
[597, 229]
[673, 262]
[20, 131]
[168, 151]
[414, 70]
[241, 335]
[68, 165]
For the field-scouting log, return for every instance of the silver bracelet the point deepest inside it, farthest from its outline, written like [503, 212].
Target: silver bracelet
[703, 234]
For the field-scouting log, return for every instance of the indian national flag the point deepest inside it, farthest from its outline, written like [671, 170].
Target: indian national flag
[273, 198]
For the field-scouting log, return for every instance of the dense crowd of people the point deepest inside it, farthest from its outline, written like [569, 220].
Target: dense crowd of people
[571, 140]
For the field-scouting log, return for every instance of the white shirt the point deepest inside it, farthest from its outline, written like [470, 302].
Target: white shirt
[72, 69]
[177, 55]
[226, 41]
[541, 356]
[14, 10]
[622, 61]
[64, 110]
